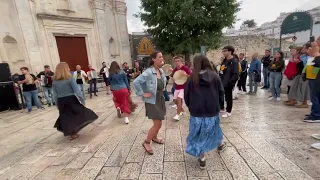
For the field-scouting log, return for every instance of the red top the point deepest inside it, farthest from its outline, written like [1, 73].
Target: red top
[187, 70]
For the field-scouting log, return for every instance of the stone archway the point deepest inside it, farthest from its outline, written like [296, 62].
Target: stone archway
[13, 54]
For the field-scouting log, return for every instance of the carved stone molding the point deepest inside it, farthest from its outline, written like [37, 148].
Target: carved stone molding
[121, 7]
[67, 18]
[110, 3]
[98, 4]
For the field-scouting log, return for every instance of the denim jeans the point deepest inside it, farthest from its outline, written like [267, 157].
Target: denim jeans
[252, 83]
[81, 87]
[275, 82]
[48, 94]
[315, 99]
[29, 96]
[93, 86]
[173, 89]
[166, 95]
[265, 73]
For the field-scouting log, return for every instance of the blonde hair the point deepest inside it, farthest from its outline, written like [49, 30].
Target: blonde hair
[62, 72]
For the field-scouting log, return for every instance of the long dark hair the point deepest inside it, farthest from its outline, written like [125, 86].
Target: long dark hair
[282, 56]
[153, 56]
[200, 62]
[114, 68]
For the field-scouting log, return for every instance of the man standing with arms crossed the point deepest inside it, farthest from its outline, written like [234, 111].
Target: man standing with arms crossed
[179, 89]
[266, 62]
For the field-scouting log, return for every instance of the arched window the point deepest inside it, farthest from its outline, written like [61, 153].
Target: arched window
[113, 47]
[13, 54]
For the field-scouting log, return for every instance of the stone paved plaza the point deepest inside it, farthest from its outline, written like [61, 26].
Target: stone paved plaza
[266, 140]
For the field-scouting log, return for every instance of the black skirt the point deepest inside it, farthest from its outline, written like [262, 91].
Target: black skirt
[73, 116]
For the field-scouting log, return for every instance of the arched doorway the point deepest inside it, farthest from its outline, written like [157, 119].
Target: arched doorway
[13, 54]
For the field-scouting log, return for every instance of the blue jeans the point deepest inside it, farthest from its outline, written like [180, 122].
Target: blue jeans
[275, 82]
[29, 96]
[315, 99]
[48, 94]
[252, 83]
[166, 95]
[265, 73]
[173, 88]
[81, 87]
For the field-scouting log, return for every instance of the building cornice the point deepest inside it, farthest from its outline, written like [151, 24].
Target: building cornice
[66, 18]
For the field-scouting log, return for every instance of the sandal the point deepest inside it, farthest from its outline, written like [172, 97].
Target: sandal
[150, 152]
[158, 141]
[74, 136]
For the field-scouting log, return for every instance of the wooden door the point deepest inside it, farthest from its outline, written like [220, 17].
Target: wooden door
[73, 51]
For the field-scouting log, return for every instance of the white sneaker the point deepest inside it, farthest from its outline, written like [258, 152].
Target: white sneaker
[271, 98]
[174, 106]
[316, 136]
[225, 115]
[126, 120]
[278, 99]
[316, 145]
[176, 117]
[181, 114]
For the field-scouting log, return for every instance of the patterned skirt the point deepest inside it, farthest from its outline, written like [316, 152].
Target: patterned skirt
[205, 134]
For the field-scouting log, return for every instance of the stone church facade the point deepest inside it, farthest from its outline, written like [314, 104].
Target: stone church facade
[35, 33]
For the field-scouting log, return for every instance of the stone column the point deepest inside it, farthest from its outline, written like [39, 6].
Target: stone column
[122, 29]
[28, 30]
[99, 7]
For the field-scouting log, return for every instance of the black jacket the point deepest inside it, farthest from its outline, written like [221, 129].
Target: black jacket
[204, 100]
[244, 66]
[266, 60]
[230, 74]
[47, 82]
[277, 66]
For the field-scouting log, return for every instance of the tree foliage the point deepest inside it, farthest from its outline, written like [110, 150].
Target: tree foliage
[250, 23]
[182, 26]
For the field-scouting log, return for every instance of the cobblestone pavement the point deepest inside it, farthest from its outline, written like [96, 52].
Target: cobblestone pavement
[266, 140]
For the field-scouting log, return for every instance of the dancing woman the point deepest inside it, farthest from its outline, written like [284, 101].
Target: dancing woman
[120, 90]
[203, 94]
[150, 85]
[73, 116]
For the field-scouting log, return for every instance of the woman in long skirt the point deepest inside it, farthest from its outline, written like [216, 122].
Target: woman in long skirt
[150, 85]
[203, 94]
[73, 116]
[299, 90]
[120, 90]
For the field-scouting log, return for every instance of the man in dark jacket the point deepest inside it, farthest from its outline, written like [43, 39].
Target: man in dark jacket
[242, 83]
[229, 74]
[46, 78]
[266, 62]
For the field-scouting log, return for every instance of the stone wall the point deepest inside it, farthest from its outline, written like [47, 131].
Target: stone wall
[247, 45]
[28, 29]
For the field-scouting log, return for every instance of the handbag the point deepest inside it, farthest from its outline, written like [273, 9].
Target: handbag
[291, 70]
[257, 77]
[132, 105]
